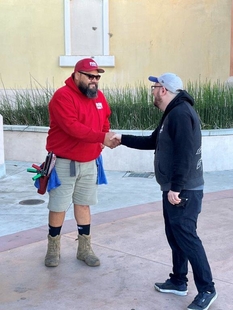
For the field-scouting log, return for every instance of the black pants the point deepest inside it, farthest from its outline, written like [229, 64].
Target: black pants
[180, 228]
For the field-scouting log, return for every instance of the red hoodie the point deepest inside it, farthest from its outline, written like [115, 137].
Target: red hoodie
[77, 123]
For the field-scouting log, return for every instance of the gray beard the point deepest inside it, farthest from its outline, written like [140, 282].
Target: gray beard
[91, 92]
[87, 91]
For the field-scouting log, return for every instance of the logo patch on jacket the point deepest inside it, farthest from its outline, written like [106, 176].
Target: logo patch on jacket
[99, 105]
[161, 129]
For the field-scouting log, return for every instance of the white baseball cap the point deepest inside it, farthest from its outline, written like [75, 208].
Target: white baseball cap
[170, 81]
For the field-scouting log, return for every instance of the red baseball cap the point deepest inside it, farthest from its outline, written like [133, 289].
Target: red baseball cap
[87, 64]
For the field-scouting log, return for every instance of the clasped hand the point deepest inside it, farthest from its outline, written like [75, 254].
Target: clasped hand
[112, 139]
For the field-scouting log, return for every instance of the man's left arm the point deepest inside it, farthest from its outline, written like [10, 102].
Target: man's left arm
[182, 136]
[183, 147]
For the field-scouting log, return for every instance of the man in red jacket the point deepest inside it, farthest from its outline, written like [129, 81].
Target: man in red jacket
[79, 128]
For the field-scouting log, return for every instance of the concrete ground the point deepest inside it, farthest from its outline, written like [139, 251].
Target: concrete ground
[127, 235]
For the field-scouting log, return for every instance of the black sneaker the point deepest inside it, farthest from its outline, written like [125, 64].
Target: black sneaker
[169, 287]
[203, 301]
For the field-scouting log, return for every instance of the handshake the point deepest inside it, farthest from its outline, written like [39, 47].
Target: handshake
[112, 139]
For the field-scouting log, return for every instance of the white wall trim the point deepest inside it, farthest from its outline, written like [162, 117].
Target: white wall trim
[67, 22]
[69, 60]
[106, 35]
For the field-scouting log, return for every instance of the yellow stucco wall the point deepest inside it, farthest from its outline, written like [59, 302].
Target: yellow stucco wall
[188, 37]
[32, 39]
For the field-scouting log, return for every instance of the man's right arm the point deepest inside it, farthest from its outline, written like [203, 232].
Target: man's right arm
[138, 142]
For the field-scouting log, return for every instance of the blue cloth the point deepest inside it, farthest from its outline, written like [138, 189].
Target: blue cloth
[101, 177]
[53, 181]
[37, 183]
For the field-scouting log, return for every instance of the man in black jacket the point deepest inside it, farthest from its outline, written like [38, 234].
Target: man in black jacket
[179, 171]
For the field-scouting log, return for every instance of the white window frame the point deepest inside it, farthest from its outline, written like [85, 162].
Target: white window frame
[69, 60]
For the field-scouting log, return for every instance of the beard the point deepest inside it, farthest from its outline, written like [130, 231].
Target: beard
[87, 90]
[157, 101]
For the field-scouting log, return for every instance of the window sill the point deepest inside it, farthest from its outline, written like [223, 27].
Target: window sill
[70, 61]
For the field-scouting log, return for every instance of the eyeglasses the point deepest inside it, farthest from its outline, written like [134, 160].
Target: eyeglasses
[91, 77]
[154, 86]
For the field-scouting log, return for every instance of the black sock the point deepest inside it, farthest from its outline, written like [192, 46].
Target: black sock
[84, 229]
[54, 231]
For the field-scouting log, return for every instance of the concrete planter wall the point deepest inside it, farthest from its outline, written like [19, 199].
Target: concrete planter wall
[22, 143]
[2, 161]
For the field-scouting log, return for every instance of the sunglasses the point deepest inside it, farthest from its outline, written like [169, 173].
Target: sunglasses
[91, 77]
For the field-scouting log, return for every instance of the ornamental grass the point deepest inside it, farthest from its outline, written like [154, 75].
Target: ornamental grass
[132, 106]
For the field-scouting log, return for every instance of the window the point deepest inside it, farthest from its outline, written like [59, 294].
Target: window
[86, 32]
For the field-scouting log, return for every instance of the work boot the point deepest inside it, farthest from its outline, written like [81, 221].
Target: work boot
[53, 253]
[85, 251]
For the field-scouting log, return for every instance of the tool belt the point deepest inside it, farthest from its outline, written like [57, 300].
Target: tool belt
[43, 172]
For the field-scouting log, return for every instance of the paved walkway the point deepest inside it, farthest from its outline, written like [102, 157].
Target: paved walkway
[128, 236]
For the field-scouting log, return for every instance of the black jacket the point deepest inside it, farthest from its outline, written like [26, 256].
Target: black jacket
[177, 145]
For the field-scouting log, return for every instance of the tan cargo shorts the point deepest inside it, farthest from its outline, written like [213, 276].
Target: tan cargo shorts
[80, 189]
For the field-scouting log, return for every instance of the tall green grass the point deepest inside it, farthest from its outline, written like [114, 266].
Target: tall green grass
[132, 106]
[214, 103]
[26, 107]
